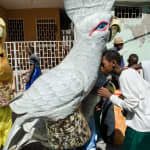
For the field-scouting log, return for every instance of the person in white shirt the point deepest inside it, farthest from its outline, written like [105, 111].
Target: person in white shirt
[145, 66]
[136, 91]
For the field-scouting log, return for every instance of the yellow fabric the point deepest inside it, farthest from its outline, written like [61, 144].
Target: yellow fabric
[6, 93]
[6, 73]
[5, 123]
[5, 112]
[3, 25]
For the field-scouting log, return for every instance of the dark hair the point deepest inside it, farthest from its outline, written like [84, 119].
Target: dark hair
[133, 59]
[113, 55]
[135, 56]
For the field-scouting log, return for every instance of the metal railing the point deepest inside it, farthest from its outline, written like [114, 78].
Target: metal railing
[50, 54]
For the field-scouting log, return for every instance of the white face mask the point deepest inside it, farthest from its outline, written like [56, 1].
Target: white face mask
[1, 32]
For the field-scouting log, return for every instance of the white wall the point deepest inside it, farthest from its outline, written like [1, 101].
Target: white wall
[136, 34]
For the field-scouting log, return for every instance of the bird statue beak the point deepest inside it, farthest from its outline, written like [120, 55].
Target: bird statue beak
[114, 27]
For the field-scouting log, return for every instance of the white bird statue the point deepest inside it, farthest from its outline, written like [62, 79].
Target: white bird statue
[57, 93]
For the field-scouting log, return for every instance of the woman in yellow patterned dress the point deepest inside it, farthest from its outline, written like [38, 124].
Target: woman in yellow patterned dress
[6, 92]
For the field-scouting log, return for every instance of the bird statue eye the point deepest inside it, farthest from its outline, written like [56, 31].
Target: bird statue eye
[102, 26]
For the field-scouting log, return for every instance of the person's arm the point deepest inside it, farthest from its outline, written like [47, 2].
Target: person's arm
[129, 103]
[14, 84]
[137, 66]
[128, 89]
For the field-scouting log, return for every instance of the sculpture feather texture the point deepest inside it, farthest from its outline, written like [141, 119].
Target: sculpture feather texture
[57, 93]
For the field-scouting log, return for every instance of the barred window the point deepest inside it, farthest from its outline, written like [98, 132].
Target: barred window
[46, 29]
[15, 30]
[128, 12]
[66, 35]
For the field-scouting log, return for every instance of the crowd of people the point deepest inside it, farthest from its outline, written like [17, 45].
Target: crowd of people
[133, 100]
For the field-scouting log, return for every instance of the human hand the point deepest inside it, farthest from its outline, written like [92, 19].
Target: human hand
[136, 66]
[98, 108]
[3, 103]
[104, 92]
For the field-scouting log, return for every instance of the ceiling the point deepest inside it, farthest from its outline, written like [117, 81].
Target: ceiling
[23, 4]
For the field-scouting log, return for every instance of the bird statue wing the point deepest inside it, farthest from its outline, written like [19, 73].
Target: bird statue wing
[54, 91]
[53, 96]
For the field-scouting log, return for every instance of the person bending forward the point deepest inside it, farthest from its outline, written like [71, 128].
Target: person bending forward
[136, 102]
